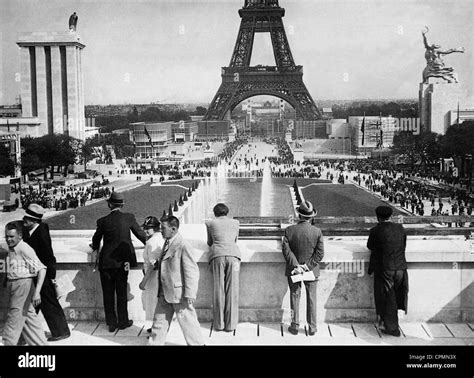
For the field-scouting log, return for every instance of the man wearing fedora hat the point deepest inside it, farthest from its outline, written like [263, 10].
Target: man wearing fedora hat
[37, 237]
[116, 258]
[387, 242]
[303, 249]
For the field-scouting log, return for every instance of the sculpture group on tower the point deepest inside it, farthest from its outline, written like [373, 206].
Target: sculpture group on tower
[435, 66]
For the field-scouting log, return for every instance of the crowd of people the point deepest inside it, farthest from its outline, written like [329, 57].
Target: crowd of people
[407, 188]
[285, 156]
[231, 148]
[62, 197]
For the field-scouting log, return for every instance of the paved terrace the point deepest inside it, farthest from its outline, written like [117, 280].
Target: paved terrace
[413, 333]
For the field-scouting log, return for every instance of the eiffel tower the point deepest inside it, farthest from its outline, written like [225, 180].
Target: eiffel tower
[240, 80]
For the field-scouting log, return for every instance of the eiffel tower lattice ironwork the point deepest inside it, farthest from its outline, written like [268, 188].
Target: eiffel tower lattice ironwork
[240, 80]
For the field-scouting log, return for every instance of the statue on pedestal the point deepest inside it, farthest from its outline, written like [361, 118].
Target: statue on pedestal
[435, 66]
[73, 22]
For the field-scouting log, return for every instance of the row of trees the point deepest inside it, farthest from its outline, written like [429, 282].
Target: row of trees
[151, 114]
[55, 153]
[97, 147]
[402, 109]
[427, 147]
[49, 152]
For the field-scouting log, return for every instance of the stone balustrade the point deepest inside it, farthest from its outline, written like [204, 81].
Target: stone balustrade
[441, 275]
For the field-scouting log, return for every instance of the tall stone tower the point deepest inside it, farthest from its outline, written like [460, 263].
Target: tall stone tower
[52, 85]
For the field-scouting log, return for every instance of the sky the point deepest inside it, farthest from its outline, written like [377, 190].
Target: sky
[142, 51]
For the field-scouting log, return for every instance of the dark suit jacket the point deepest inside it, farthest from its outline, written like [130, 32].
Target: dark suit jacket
[303, 244]
[387, 241]
[117, 248]
[40, 241]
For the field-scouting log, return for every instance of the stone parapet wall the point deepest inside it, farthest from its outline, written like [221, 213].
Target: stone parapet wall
[440, 268]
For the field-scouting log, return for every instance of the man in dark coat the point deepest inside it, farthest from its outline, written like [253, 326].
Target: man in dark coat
[387, 241]
[303, 249]
[37, 237]
[116, 258]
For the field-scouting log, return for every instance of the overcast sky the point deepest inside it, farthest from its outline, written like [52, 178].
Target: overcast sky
[141, 51]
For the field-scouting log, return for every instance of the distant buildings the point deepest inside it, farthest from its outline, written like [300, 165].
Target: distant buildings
[214, 129]
[151, 139]
[464, 115]
[378, 132]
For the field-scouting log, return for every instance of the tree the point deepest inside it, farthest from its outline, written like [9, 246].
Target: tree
[422, 148]
[458, 140]
[120, 142]
[200, 110]
[152, 115]
[87, 151]
[49, 151]
[133, 116]
[110, 123]
[30, 160]
[457, 143]
[56, 150]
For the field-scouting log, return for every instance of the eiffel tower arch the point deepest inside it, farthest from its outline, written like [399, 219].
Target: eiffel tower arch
[240, 80]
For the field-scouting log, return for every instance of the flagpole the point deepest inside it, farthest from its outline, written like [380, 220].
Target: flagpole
[380, 136]
[458, 115]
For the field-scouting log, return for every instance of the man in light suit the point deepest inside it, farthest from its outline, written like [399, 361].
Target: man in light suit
[116, 258]
[224, 258]
[303, 249]
[177, 287]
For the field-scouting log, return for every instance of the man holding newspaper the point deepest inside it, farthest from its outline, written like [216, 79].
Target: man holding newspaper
[303, 249]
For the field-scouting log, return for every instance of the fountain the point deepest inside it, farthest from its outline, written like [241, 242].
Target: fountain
[266, 197]
[247, 188]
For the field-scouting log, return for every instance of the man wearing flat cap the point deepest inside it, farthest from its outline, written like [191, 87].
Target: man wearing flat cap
[303, 249]
[37, 237]
[116, 258]
[387, 242]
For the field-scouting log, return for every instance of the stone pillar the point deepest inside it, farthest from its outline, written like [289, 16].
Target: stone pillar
[25, 77]
[423, 106]
[58, 127]
[82, 125]
[72, 91]
[63, 79]
[41, 90]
